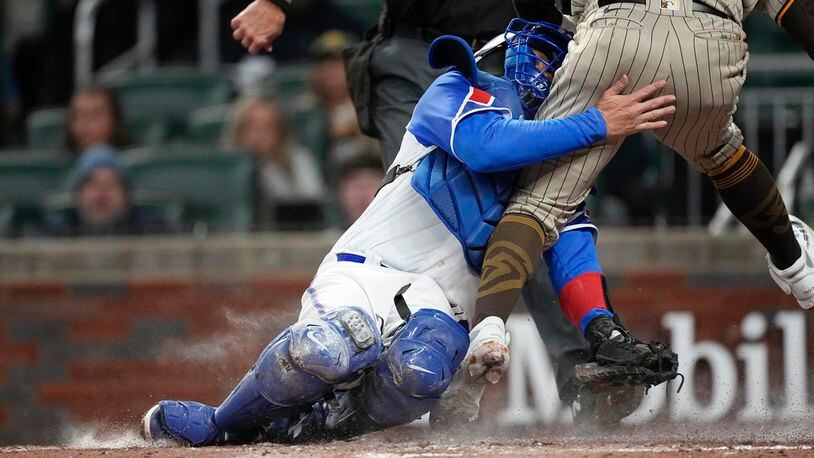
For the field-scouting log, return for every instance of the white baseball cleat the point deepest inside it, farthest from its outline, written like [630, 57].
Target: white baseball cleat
[486, 361]
[798, 279]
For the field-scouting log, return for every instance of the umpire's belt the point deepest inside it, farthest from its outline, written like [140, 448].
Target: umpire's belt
[698, 7]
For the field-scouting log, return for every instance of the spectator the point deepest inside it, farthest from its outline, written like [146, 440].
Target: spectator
[288, 171]
[102, 202]
[359, 179]
[94, 118]
[335, 118]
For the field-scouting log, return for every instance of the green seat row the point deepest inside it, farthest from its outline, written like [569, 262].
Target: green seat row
[215, 188]
[45, 127]
[26, 178]
[169, 106]
[156, 106]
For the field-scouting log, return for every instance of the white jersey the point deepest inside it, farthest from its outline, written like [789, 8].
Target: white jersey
[372, 288]
[400, 231]
[403, 241]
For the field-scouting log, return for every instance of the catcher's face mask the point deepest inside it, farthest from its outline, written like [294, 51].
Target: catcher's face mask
[535, 50]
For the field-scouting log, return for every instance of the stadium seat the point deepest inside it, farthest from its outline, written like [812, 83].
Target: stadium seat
[45, 127]
[290, 80]
[206, 124]
[25, 178]
[310, 127]
[215, 187]
[156, 105]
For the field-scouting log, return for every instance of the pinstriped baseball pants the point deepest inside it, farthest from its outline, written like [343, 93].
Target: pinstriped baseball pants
[703, 58]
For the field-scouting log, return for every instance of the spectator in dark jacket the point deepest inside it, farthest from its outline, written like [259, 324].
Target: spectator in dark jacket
[102, 201]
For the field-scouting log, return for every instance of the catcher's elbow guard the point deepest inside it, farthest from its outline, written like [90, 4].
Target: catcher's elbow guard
[797, 18]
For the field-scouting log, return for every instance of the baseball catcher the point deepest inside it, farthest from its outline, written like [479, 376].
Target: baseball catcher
[383, 327]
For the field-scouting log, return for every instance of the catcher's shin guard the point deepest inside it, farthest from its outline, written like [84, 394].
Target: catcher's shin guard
[417, 368]
[185, 423]
[299, 367]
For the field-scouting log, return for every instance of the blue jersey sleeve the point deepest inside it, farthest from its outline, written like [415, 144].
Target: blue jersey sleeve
[488, 142]
[479, 130]
[449, 99]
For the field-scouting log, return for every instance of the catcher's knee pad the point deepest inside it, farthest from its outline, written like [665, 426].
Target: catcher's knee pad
[300, 366]
[336, 345]
[416, 370]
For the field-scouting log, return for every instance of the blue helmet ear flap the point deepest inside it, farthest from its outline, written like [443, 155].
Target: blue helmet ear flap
[451, 51]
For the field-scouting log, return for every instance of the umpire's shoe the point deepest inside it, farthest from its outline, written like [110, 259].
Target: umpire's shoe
[184, 423]
[798, 279]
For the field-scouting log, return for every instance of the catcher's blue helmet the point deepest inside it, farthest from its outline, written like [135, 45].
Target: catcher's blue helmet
[526, 69]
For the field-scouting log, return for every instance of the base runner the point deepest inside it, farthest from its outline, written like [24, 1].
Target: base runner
[699, 47]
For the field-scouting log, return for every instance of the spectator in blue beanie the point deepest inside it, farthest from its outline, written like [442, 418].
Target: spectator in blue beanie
[102, 202]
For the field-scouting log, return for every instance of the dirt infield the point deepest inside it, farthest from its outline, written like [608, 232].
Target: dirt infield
[375, 450]
[710, 440]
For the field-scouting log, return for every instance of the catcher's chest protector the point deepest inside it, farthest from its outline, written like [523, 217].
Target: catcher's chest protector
[469, 204]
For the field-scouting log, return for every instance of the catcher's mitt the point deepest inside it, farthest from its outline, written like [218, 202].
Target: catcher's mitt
[628, 363]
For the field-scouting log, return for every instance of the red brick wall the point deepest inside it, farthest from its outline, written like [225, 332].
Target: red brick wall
[105, 353]
[78, 353]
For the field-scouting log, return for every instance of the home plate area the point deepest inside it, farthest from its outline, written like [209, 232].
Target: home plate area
[787, 440]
